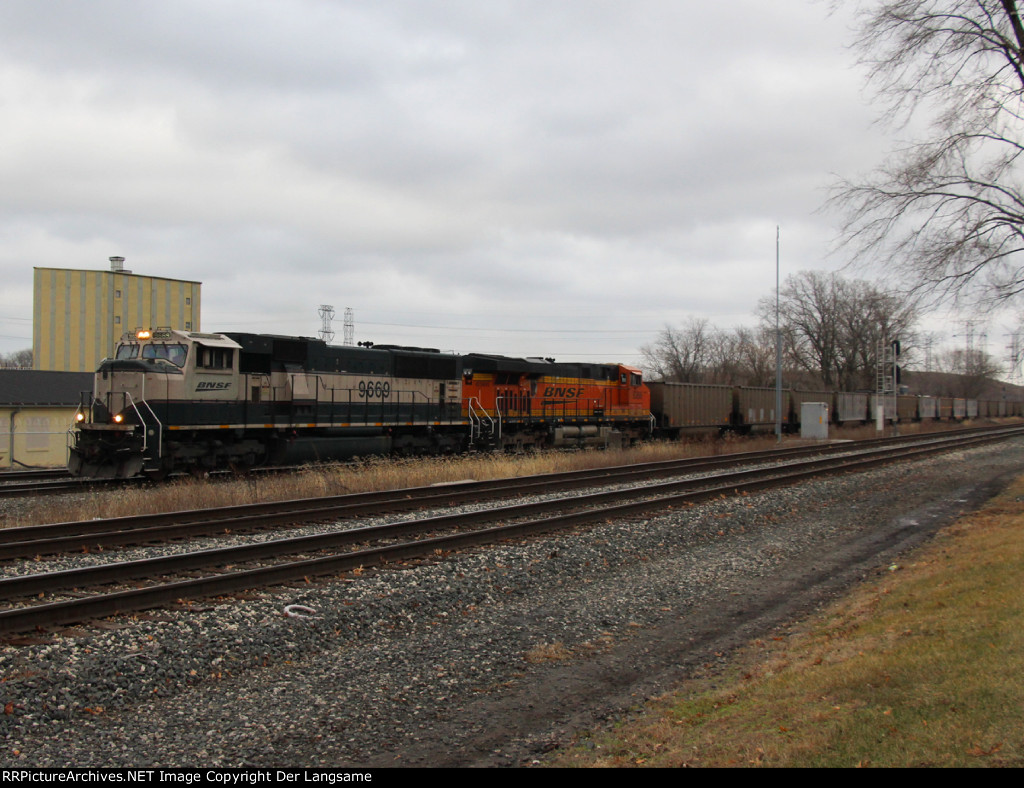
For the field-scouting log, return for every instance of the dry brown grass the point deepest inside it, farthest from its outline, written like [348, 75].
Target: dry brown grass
[548, 652]
[377, 474]
[373, 474]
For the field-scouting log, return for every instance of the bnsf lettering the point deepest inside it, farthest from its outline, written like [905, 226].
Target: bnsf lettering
[563, 391]
[213, 385]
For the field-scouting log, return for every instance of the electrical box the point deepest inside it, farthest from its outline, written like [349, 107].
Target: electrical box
[814, 421]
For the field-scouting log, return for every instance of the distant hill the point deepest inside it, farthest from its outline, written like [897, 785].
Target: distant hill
[945, 384]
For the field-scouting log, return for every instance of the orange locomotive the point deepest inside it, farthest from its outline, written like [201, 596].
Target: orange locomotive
[515, 403]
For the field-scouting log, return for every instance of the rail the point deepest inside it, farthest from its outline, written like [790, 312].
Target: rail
[547, 515]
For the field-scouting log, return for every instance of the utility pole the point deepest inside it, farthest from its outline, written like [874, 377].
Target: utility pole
[778, 346]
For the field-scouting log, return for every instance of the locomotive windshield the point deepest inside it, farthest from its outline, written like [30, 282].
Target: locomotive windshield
[173, 353]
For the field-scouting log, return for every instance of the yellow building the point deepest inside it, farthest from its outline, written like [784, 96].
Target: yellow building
[37, 410]
[78, 316]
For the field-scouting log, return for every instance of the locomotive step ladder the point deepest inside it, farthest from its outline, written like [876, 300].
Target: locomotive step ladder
[483, 428]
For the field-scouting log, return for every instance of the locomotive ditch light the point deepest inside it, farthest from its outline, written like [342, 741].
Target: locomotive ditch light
[118, 418]
[79, 417]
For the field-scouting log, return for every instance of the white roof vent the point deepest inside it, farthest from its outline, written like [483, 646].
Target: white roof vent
[117, 265]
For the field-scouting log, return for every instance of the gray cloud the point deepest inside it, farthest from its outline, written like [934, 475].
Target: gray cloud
[555, 178]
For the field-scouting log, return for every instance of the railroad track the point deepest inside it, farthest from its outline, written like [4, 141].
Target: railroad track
[53, 486]
[99, 535]
[20, 484]
[56, 481]
[95, 535]
[253, 565]
[32, 473]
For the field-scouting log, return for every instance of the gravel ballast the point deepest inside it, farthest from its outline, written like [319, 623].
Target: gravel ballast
[488, 657]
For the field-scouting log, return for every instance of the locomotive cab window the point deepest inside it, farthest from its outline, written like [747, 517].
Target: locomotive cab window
[161, 351]
[214, 357]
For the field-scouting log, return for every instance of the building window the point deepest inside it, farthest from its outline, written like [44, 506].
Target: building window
[188, 325]
[188, 302]
[37, 437]
[117, 320]
[117, 294]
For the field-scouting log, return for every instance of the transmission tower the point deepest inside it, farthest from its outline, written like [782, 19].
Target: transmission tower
[968, 335]
[350, 326]
[928, 341]
[1015, 351]
[326, 313]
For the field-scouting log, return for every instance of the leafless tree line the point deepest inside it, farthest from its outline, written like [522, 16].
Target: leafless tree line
[698, 352]
[20, 359]
[831, 329]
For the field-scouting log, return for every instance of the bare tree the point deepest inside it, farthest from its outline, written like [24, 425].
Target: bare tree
[754, 353]
[680, 355]
[946, 212]
[701, 353]
[974, 370]
[19, 359]
[832, 328]
[809, 321]
[741, 357]
[869, 319]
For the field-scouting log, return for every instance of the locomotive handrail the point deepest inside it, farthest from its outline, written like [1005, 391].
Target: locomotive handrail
[476, 418]
[142, 420]
[569, 408]
[372, 408]
[69, 441]
[159, 431]
[497, 412]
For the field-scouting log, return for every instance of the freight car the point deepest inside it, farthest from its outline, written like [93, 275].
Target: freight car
[692, 408]
[172, 401]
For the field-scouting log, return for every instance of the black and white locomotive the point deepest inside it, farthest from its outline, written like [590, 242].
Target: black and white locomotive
[172, 401]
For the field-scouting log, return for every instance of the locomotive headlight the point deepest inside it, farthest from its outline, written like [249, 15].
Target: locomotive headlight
[143, 334]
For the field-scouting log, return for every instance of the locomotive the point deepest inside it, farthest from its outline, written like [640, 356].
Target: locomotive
[172, 401]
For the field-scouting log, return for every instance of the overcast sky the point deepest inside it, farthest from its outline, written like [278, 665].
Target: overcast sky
[524, 177]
